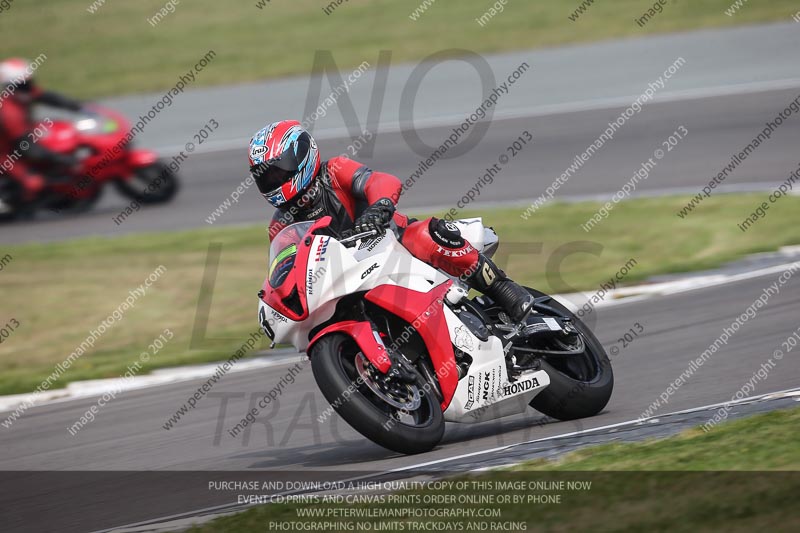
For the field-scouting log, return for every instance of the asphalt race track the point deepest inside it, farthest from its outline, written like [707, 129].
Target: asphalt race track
[715, 135]
[128, 434]
[287, 438]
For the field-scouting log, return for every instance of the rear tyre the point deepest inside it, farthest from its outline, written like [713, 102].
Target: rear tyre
[578, 389]
[153, 184]
[339, 366]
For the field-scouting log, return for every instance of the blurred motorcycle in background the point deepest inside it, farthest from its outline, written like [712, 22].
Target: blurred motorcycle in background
[98, 138]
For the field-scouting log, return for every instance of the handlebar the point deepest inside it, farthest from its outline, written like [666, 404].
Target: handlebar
[353, 238]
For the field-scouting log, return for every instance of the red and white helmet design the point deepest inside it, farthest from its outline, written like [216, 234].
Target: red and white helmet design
[284, 161]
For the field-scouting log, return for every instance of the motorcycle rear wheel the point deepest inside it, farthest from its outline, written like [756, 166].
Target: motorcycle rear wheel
[570, 395]
[335, 361]
[153, 184]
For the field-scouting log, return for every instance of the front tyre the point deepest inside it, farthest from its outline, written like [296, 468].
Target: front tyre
[10, 200]
[153, 184]
[405, 418]
[580, 386]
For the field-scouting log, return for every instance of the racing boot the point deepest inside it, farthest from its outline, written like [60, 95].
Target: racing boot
[489, 279]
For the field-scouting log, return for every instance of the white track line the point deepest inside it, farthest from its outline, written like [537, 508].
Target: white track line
[730, 188]
[78, 390]
[618, 296]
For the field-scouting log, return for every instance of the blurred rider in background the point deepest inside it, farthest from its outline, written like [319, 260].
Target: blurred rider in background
[18, 94]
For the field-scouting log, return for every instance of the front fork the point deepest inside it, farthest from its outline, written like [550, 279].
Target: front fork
[401, 367]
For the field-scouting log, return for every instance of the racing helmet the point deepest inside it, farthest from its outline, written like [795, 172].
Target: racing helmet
[284, 160]
[16, 71]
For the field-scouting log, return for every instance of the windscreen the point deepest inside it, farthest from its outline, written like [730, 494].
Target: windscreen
[283, 251]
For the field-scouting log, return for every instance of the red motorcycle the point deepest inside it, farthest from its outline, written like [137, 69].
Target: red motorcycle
[98, 139]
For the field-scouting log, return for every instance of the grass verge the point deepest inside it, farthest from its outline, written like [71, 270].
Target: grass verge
[59, 292]
[695, 481]
[100, 48]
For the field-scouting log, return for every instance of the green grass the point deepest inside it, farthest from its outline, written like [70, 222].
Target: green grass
[694, 481]
[60, 291]
[115, 50]
[646, 230]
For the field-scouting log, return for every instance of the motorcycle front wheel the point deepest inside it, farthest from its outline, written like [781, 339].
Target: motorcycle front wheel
[10, 200]
[406, 418]
[72, 205]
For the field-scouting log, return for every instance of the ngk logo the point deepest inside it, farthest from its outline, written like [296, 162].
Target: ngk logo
[486, 387]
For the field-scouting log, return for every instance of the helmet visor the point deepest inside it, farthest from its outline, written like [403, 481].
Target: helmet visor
[270, 177]
[25, 86]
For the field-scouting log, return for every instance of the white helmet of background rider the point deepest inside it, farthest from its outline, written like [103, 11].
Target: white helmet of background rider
[15, 71]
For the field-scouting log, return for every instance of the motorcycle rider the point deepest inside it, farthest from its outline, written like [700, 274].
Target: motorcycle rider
[285, 164]
[19, 94]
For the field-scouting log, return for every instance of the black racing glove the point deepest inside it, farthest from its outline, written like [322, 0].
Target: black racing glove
[375, 217]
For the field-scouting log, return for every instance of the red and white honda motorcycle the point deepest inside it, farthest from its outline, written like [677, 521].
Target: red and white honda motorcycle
[397, 347]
